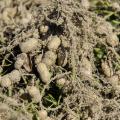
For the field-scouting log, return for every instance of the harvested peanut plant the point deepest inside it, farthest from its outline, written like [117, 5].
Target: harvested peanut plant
[59, 60]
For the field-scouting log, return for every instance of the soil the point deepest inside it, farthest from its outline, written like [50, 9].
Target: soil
[87, 58]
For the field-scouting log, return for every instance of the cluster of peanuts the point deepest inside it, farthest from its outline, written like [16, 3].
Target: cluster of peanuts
[43, 64]
[49, 59]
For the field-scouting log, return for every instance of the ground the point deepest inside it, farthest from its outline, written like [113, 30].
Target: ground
[59, 60]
